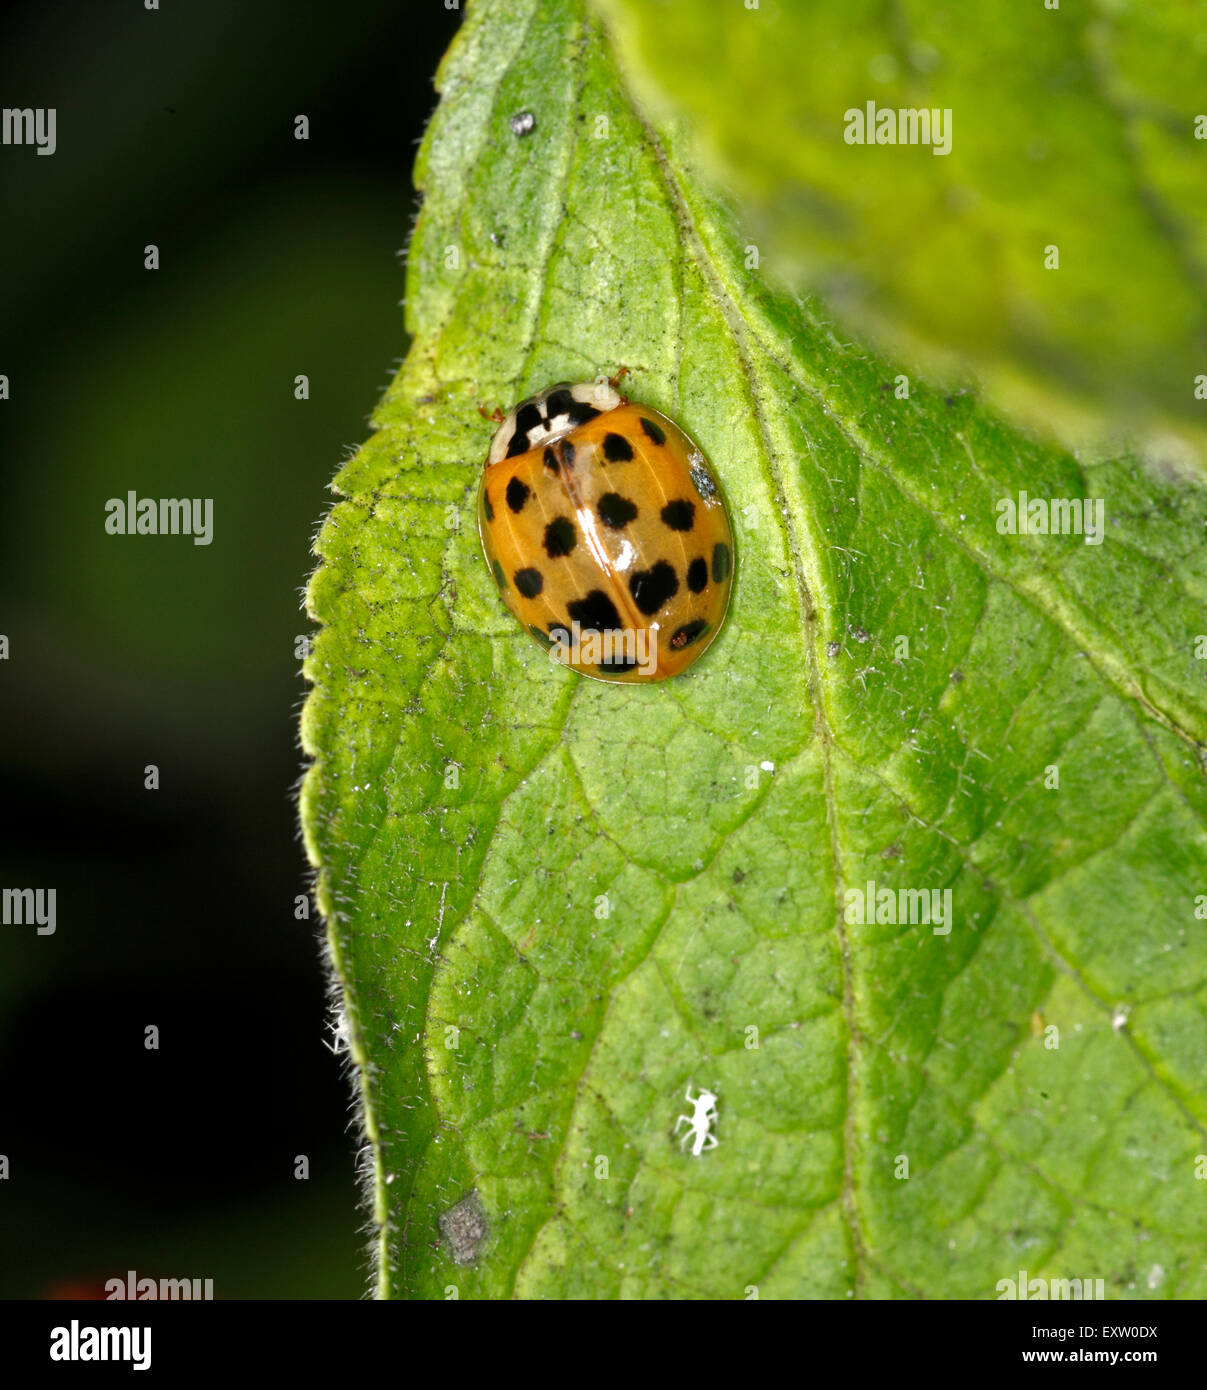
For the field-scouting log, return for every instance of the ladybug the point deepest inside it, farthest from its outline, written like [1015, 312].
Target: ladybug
[606, 532]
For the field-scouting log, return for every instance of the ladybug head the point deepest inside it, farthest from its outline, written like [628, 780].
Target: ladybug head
[550, 414]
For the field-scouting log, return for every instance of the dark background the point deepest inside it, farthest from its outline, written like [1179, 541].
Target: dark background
[176, 907]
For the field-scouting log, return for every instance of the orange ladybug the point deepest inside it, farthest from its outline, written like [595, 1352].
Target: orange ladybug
[606, 532]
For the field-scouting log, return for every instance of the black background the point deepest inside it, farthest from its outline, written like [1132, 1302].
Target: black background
[176, 907]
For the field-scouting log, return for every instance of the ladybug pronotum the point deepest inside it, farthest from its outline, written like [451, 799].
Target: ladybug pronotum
[606, 533]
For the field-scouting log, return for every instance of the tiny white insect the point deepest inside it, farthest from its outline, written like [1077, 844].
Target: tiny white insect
[699, 1122]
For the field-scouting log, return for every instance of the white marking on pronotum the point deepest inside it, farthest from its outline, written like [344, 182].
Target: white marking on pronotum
[699, 1122]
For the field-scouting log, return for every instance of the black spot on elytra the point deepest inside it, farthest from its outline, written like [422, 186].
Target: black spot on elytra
[529, 582]
[563, 403]
[697, 574]
[651, 588]
[679, 514]
[595, 612]
[517, 495]
[567, 453]
[615, 511]
[550, 459]
[486, 507]
[500, 577]
[721, 563]
[527, 419]
[615, 665]
[687, 634]
[655, 432]
[559, 537]
[617, 448]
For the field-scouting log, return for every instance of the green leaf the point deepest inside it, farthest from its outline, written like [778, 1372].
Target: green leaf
[888, 699]
[1080, 127]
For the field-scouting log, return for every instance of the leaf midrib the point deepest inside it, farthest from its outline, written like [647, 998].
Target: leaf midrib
[807, 574]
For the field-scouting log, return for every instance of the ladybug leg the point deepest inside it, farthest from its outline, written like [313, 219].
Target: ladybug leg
[496, 414]
[612, 380]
